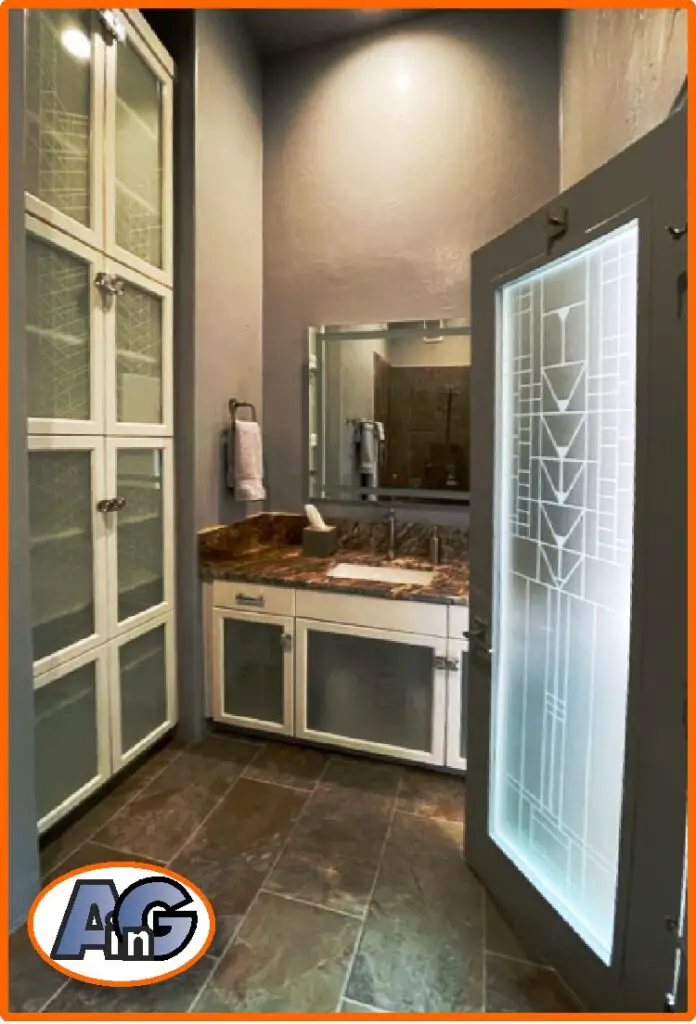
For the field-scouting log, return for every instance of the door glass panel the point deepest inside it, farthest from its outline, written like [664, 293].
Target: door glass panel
[60, 527]
[65, 713]
[253, 670]
[138, 157]
[59, 63]
[143, 685]
[564, 491]
[57, 333]
[139, 538]
[367, 689]
[138, 356]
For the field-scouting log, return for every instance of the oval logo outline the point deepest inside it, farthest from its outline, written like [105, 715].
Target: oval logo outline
[107, 868]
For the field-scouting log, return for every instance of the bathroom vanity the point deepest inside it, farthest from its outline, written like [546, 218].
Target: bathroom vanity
[370, 664]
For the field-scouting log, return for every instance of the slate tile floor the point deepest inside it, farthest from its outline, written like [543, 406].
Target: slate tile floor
[338, 885]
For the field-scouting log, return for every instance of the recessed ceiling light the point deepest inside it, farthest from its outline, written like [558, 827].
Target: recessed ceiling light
[76, 43]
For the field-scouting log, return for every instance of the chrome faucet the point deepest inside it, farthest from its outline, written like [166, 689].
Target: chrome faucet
[391, 520]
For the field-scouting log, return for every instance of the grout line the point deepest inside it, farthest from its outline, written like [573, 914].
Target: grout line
[367, 1006]
[91, 835]
[431, 817]
[44, 1007]
[310, 903]
[519, 960]
[244, 916]
[368, 903]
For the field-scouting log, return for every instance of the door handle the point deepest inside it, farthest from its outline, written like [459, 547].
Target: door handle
[111, 504]
[478, 633]
[247, 599]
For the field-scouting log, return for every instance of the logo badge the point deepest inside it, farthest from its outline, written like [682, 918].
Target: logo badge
[121, 923]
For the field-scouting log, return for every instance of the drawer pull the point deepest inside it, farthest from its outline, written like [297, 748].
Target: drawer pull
[247, 599]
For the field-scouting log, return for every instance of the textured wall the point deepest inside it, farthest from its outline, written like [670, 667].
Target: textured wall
[621, 71]
[387, 161]
[228, 263]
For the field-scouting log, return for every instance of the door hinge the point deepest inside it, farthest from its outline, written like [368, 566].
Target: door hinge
[445, 664]
[286, 641]
[556, 225]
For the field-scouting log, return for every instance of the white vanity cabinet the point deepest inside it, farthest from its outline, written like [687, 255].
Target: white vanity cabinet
[251, 656]
[368, 674]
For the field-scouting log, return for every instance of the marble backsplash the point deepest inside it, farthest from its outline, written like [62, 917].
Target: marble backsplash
[281, 529]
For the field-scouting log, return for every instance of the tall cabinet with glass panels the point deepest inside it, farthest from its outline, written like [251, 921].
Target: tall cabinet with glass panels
[98, 153]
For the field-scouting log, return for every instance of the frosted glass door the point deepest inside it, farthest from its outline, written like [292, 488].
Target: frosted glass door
[142, 671]
[563, 562]
[71, 723]
[140, 535]
[64, 346]
[63, 120]
[139, 393]
[139, 171]
[253, 671]
[66, 548]
[374, 691]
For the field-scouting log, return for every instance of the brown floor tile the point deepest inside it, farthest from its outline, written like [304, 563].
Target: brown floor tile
[173, 996]
[344, 822]
[287, 765]
[349, 1006]
[89, 853]
[431, 795]
[422, 946]
[354, 773]
[32, 980]
[338, 883]
[500, 938]
[287, 958]
[516, 987]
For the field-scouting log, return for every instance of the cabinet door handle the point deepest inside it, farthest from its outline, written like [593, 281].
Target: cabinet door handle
[286, 641]
[247, 599]
[111, 504]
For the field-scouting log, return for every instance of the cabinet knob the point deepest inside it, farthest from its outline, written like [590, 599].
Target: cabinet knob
[111, 504]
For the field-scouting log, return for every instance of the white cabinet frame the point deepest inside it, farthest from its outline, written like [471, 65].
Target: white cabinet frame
[121, 757]
[161, 274]
[93, 233]
[217, 619]
[435, 755]
[117, 428]
[100, 659]
[95, 264]
[113, 446]
[457, 651]
[95, 445]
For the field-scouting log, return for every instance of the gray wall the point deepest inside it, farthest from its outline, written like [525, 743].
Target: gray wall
[621, 71]
[24, 858]
[228, 244]
[374, 197]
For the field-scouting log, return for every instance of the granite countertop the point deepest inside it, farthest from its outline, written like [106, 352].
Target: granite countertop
[268, 557]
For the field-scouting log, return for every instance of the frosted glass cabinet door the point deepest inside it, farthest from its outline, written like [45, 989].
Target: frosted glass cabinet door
[66, 548]
[371, 690]
[139, 354]
[457, 703]
[63, 334]
[253, 670]
[143, 692]
[139, 159]
[63, 120]
[140, 531]
[72, 735]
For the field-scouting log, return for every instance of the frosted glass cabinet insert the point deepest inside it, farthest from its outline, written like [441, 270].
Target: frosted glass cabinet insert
[99, 366]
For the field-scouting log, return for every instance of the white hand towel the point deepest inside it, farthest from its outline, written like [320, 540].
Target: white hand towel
[248, 483]
[368, 448]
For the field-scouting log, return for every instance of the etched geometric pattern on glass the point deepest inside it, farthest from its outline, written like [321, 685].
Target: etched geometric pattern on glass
[138, 357]
[58, 99]
[565, 476]
[60, 530]
[57, 333]
[65, 719]
[140, 540]
[143, 675]
[138, 157]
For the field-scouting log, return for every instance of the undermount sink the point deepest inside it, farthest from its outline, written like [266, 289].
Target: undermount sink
[381, 574]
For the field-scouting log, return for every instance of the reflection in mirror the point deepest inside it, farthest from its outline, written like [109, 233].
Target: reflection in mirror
[389, 411]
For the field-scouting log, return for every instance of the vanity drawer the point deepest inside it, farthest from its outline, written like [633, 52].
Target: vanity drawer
[373, 612]
[458, 620]
[252, 597]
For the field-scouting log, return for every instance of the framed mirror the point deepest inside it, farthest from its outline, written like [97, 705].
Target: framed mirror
[388, 412]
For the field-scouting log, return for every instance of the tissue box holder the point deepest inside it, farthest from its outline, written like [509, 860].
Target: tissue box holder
[319, 543]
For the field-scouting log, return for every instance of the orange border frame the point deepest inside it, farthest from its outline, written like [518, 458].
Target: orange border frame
[6, 5]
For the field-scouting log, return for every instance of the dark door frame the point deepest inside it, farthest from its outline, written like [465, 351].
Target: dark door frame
[648, 180]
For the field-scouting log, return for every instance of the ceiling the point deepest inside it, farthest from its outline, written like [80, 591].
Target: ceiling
[277, 31]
